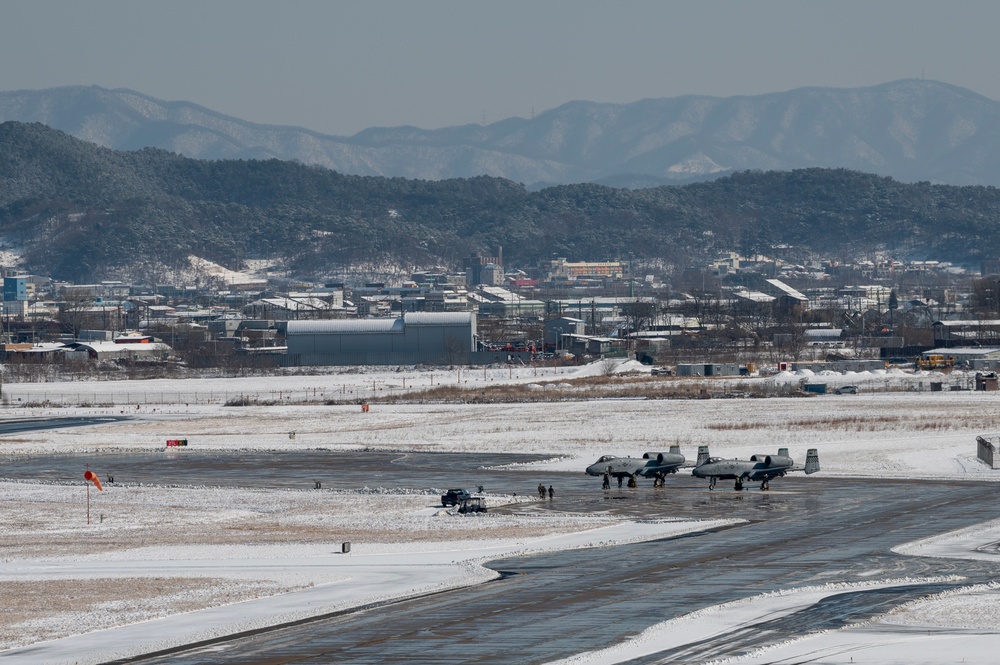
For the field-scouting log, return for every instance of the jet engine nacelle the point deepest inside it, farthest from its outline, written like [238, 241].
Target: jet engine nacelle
[773, 461]
[664, 458]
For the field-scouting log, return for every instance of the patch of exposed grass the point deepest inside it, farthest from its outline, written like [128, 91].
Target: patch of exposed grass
[243, 400]
[874, 423]
[594, 387]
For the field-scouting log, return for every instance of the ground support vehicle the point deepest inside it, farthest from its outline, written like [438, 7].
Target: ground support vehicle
[454, 497]
[473, 504]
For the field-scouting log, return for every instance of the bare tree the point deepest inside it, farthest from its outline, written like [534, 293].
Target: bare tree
[73, 312]
[638, 315]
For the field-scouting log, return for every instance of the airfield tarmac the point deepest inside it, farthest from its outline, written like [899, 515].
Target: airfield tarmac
[14, 425]
[804, 532]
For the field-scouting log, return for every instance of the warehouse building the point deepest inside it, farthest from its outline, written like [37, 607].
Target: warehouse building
[432, 338]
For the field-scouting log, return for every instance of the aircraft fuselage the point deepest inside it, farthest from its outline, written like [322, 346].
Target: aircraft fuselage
[623, 467]
[759, 468]
[732, 469]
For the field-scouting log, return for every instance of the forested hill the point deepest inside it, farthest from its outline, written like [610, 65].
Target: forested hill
[82, 212]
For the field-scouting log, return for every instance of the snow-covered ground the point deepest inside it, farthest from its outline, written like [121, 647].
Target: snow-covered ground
[202, 590]
[186, 563]
[350, 383]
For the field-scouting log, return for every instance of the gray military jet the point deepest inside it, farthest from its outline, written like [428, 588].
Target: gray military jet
[651, 465]
[759, 468]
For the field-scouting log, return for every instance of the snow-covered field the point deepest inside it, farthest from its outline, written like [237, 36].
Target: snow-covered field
[186, 563]
[351, 383]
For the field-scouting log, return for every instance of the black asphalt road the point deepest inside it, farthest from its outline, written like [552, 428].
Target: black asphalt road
[289, 470]
[805, 531]
[13, 425]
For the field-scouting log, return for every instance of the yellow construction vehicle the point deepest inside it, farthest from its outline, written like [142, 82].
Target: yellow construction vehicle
[935, 361]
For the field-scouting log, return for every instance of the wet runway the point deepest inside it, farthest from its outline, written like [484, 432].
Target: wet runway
[288, 470]
[13, 425]
[805, 531]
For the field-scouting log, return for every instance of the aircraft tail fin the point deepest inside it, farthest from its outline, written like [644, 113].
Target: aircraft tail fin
[675, 449]
[702, 455]
[782, 452]
[812, 461]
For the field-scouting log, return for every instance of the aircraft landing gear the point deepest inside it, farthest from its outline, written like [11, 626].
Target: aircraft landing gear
[764, 486]
[711, 483]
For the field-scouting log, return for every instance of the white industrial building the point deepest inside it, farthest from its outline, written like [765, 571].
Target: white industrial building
[414, 338]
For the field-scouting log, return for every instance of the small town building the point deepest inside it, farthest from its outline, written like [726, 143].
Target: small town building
[561, 269]
[563, 325]
[486, 270]
[708, 369]
[967, 332]
[974, 357]
[302, 307]
[784, 295]
[115, 351]
[497, 301]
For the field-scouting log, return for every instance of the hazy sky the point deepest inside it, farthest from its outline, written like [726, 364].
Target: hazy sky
[338, 67]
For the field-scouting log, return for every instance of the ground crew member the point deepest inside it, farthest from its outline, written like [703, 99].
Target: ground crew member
[541, 491]
[551, 493]
[607, 482]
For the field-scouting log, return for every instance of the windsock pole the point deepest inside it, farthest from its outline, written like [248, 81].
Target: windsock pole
[87, 466]
[91, 477]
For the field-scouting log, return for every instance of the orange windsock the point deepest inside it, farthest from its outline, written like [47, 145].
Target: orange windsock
[92, 477]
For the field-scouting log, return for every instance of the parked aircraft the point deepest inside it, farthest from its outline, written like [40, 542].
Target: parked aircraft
[759, 468]
[651, 465]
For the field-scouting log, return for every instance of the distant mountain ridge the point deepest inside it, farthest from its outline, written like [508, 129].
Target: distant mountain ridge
[74, 210]
[911, 130]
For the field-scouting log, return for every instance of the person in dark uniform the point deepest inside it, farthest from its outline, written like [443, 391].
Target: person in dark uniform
[551, 493]
[607, 482]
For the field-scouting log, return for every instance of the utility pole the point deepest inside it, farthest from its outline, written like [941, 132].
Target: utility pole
[87, 467]
[631, 279]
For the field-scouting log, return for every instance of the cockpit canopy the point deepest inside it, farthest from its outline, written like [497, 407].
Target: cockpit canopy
[605, 458]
